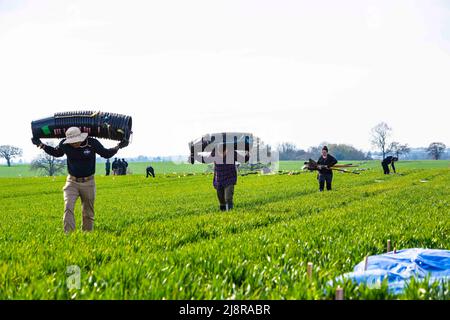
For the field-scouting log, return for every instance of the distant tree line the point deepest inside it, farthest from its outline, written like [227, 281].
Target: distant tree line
[288, 151]
[419, 154]
[379, 137]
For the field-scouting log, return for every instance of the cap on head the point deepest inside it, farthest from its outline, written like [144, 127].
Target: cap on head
[325, 148]
[74, 135]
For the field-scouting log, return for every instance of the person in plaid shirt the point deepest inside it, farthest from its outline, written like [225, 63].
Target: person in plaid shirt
[225, 177]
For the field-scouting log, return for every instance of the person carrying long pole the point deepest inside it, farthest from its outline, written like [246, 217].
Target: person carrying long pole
[325, 162]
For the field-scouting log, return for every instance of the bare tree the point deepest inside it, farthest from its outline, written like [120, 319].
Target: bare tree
[379, 136]
[287, 147]
[398, 149]
[8, 152]
[287, 151]
[48, 164]
[436, 149]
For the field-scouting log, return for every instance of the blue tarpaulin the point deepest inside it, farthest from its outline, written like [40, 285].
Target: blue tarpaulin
[398, 268]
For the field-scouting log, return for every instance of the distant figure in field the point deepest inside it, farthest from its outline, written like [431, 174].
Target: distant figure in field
[150, 171]
[124, 166]
[388, 161]
[119, 167]
[107, 167]
[114, 167]
[325, 173]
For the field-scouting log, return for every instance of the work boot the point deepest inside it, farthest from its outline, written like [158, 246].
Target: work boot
[223, 207]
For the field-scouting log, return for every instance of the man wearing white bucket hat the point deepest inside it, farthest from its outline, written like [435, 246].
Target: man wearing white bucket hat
[80, 151]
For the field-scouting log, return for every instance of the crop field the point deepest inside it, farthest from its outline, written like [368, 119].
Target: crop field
[165, 238]
[23, 170]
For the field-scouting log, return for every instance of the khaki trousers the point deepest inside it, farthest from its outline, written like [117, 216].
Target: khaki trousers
[86, 191]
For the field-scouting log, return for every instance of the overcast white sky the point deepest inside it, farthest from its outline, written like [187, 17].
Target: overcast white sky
[298, 71]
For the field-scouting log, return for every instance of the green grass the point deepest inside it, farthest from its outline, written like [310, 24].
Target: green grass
[164, 238]
[159, 167]
[23, 170]
[16, 171]
[184, 168]
[375, 164]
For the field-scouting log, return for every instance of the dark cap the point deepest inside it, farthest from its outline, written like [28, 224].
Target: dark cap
[325, 148]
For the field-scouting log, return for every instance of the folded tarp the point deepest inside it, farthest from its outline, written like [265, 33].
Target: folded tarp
[398, 268]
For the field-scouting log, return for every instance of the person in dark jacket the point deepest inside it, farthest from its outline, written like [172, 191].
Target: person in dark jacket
[80, 151]
[114, 167]
[124, 167]
[107, 167]
[388, 161]
[119, 167]
[325, 162]
[150, 171]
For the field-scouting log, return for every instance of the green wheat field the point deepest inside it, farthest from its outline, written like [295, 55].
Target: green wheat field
[164, 238]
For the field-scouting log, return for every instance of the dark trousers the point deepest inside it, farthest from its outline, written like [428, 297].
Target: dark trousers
[385, 168]
[151, 172]
[325, 177]
[225, 196]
